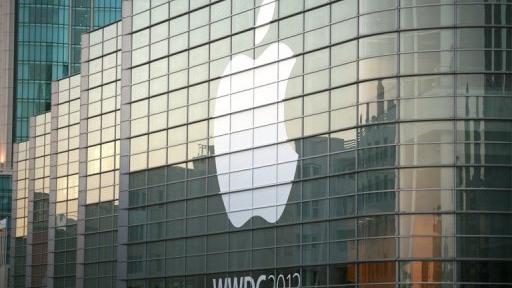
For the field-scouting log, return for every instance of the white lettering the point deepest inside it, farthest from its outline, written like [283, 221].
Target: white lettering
[298, 278]
[238, 284]
[260, 279]
[273, 280]
[279, 281]
[215, 283]
[227, 283]
[248, 279]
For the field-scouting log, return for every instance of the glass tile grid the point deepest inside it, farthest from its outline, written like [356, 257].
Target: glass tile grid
[39, 200]
[48, 41]
[415, 193]
[100, 200]
[65, 130]
[20, 213]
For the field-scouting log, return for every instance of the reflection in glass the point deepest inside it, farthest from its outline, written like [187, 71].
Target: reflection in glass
[426, 271]
[377, 272]
[376, 249]
[426, 200]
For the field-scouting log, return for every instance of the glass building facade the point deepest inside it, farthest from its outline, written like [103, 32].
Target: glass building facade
[281, 143]
[7, 15]
[100, 147]
[41, 43]
[5, 196]
[48, 48]
[396, 114]
[20, 214]
[38, 201]
[64, 166]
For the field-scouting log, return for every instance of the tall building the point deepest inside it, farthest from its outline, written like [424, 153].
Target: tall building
[48, 48]
[40, 43]
[7, 44]
[7, 29]
[275, 143]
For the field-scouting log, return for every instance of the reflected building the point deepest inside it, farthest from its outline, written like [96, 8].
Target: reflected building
[20, 214]
[98, 198]
[283, 143]
[40, 43]
[38, 201]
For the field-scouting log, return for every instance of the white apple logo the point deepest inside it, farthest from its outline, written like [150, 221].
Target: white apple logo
[239, 187]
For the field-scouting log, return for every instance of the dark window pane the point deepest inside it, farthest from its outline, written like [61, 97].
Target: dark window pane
[484, 271]
[376, 180]
[342, 206]
[376, 202]
[484, 247]
[484, 224]
[342, 185]
[484, 200]
[376, 226]
[315, 146]
[343, 162]
[376, 135]
[376, 157]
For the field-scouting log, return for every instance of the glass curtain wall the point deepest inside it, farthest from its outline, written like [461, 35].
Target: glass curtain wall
[63, 206]
[38, 201]
[20, 213]
[48, 49]
[5, 196]
[392, 117]
[99, 196]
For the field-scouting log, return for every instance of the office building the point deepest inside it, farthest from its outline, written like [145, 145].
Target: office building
[6, 103]
[7, 29]
[48, 48]
[283, 143]
[40, 43]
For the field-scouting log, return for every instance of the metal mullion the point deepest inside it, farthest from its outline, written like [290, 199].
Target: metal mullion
[454, 125]
[397, 150]
[356, 174]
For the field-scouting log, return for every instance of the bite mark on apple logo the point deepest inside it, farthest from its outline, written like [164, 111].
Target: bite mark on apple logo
[269, 202]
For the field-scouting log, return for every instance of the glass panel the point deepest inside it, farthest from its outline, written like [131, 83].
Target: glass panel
[425, 201]
[426, 62]
[370, 6]
[426, 40]
[427, 154]
[426, 271]
[378, 45]
[374, 249]
[484, 200]
[426, 225]
[378, 22]
[484, 271]
[377, 272]
[423, 17]
[378, 67]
